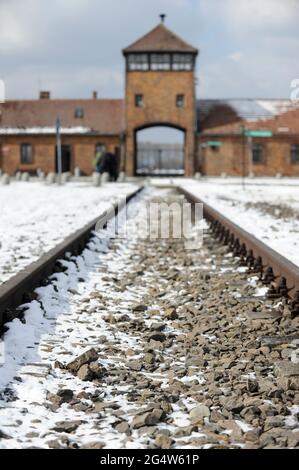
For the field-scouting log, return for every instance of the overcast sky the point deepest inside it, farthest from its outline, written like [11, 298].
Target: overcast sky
[248, 48]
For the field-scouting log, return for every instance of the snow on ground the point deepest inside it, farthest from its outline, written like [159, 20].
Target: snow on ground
[34, 217]
[54, 330]
[267, 207]
[63, 323]
[67, 319]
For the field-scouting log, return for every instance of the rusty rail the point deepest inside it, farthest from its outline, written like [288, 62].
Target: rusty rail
[275, 270]
[16, 290]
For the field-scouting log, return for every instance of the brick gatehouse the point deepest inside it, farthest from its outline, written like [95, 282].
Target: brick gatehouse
[159, 91]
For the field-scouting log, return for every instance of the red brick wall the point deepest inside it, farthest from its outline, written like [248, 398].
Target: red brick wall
[159, 90]
[228, 159]
[82, 149]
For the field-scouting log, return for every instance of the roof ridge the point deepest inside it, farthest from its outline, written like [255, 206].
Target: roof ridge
[142, 37]
[154, 41]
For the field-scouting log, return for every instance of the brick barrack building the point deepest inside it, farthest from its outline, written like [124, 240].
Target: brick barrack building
[220, 136]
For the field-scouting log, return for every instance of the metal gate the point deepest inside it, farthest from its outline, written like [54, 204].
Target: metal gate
[160, 159]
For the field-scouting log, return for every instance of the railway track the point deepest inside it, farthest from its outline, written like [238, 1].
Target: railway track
[19, 288]
[139, 342]
[276, 271]
[281, 275]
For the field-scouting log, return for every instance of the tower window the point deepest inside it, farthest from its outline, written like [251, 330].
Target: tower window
[26, 153]
[160, 62]
[294, 153]
[138, 101]
[258, 153]
[138, 62]
[182, 62]
[79, 113]
[180, 101]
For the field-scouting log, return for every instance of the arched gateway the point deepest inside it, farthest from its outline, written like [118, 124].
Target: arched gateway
[159, 150]
[160, 91]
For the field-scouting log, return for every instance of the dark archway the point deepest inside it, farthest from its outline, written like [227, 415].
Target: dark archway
[159, 150]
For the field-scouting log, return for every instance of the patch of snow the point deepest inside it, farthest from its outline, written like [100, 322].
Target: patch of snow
[228, 196]
[44, 130]
[276, 107]
[180, 419]
[244, 426]
[260, 291]
[34, 217]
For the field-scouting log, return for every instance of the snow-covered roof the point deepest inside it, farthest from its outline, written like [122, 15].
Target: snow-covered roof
[276, 107]
[247, 108]
[44, 130]
[215, 112]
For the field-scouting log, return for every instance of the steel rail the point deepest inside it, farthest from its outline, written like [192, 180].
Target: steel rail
[16, 290]
[275, 270]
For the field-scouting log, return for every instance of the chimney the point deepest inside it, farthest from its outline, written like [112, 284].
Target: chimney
[44, 95]
[95, 95]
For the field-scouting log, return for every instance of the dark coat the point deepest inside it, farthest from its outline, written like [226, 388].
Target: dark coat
[109, 164]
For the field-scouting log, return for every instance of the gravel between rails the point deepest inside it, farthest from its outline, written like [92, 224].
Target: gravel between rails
[144, 344]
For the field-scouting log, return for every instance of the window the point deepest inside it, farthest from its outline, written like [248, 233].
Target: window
[26, 153]
[182, 62]
[138, 62]
[295, 153]
[160, 62]
[180, 101]
[138, 101]
[79, 113]
[258, 153]
[100, 148]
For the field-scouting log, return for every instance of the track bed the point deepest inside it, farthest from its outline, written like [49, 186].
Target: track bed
[183, 350]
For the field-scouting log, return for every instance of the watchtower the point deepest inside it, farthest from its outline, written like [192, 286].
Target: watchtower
[160, 91]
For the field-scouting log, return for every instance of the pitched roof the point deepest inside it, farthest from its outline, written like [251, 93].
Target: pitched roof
[284, 122]
[160, 39]
[245, 108]
[101, 116]
[215, 113]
